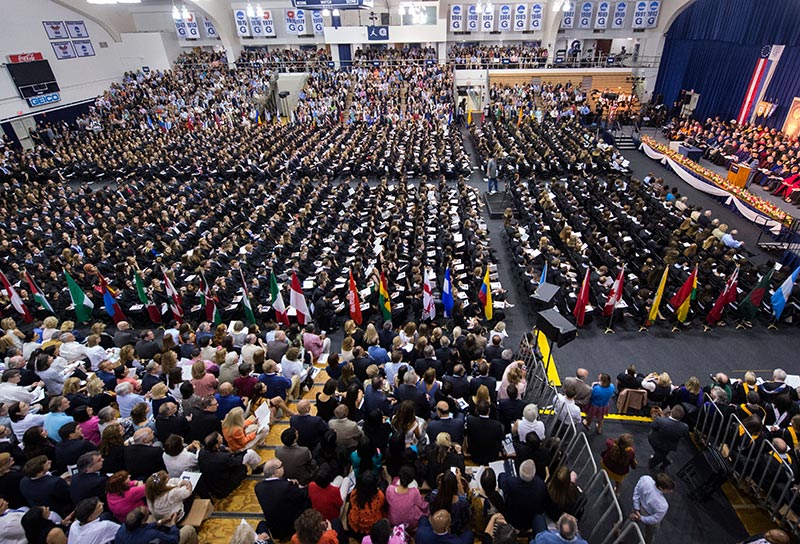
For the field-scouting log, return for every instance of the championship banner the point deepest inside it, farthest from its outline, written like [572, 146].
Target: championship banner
[209, 29]
[192, 28]
[537, 15]
[256, 26]
[473, 22]
[504, 18]
[652, 13]
[291, 25]
[456, 18]
[791, 127]
[640, 15]
[268, 23]
[487, 24]
[603, 13]
[55, 29]
[300, 21]
[77, 29]
[180, 29]
[620, 12]
[317, 22]
[568, 18]
[240, 18]
[585, 19]
[83, 48]
[64, 50]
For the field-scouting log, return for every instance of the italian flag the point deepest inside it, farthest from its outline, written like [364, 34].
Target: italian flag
[176, 303]
[248, 309]
[83, 305]
[277, 300]
[37, 294]
[152, 309]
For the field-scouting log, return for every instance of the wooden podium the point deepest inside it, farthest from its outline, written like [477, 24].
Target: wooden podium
[738, 174]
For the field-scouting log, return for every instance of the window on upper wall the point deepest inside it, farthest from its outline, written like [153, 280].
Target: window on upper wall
[419, 15]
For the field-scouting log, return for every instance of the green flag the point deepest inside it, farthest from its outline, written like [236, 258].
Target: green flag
[748, 307]
[83, 306]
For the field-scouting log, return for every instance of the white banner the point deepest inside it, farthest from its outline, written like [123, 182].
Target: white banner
[487, 23]
[240, 18]
[180, 29]
[639, 14]
[652, 13]
[537, 15]
[210, 29]
[473, 18]
[620, 12]
[291, 25]
[603, 13]
[456, 18]
[268, 23]
[317, 22]
[568, 16]
[256, 26]
[585, 18]
[504, 18]
[300, 21]
[192, 28]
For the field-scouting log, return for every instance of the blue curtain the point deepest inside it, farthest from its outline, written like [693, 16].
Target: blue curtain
[713, 47]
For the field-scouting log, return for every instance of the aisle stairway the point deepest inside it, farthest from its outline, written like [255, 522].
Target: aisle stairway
[624, 142]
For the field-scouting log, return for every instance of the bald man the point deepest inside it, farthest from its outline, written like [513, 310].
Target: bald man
[436, 530]
[309, 428]
[446, 422]
[583, 391]
[142, 458]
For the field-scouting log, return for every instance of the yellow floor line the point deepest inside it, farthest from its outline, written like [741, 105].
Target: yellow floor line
[552, 372]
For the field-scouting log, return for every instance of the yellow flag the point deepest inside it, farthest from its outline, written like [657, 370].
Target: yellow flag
[469, 117]
[657, 299]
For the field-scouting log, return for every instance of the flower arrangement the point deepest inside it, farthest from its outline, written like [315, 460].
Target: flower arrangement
[763, 206]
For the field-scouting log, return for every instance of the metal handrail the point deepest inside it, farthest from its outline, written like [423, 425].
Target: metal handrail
[600, 498]
[627, 529]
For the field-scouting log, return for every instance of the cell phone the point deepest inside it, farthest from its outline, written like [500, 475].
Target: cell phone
[454, 470]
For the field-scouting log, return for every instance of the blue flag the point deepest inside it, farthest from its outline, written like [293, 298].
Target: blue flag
[543, 277]
[447, 294]
[782, 294]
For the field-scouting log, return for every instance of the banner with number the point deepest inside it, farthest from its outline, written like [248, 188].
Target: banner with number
[639, 14]
[291, 24]
[473, 18]
[83, 48]
[256, 26]
[652, 13]
[192, 28]
[520, 17]
[585, 18]
[77, 29]
[209, 29]
[180, 28]
[300, 21]
[537, 16]
[268, 23]
[317, 22]
[456, 18]
[620, 11]
[504, 18]
[487, 25]
[603, 13]
[63, 50]
[568, 17]
[240, 18]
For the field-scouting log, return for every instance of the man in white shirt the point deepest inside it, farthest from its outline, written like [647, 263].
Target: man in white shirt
[71, 350]
[650, 503]
[566, 409]
[11, 392]
[88, 527]
[11, 530]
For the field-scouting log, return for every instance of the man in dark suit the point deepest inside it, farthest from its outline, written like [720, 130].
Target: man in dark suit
[309, 428]
[510, 410]
[89, 481]
[386, 334]
[446, 422]
[499, 364]
[525, 495]
[71, 447]
[408, 391]
[169, 421]
[42, 489]
[361, 361]
[142, 458]
[484, 436]
[484, 379]
[204, 420]
[376, 399]
[459, 380]
[665, 433]
[495, 348]
[436, 530]
[298, 464]
[429, 361]
[124, 335]
[222, 471]
[281, 500]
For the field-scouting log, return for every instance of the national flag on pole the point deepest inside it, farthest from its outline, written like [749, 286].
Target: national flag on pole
[615, 295]
[355, 303]
[109, 301]
[759, 81]
[176, 304]
[152, 310]
[248, 309]
[653, 315]
[428, 305]
[447, 294]
[682, 300]
[727, 296]
[469, 118]
[583, 300]
[208, 301]
[519, 117]
[83, 305]
[298, 300]
[16, 301]
[277, 300]
[450, 118]
[384, 301]
[748, 307]
[781, 295]
[485, 296]
[37, 294]
[543, 276]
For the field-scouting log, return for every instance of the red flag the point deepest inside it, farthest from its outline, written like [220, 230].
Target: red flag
[355, 304]
[176, 305]
[298, 300]
[16, 301]
[583, 300]
[727, 296]
[615, 295]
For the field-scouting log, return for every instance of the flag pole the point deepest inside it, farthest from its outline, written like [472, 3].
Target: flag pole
[609, 328]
